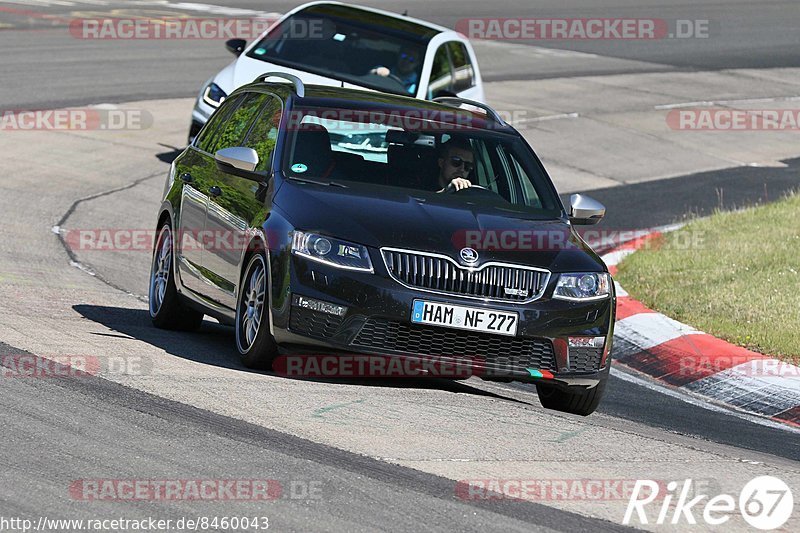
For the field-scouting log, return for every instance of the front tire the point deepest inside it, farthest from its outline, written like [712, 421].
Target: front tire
[579, 402]
[253, 338]
[166, 309]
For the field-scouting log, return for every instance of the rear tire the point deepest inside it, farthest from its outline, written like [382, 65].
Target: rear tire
[166, 309]
[256, 344]
[579, 402]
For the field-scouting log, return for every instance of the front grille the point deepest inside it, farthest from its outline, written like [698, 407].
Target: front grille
[313, 323]
[497, 350]
[441, 274]
[585, 359]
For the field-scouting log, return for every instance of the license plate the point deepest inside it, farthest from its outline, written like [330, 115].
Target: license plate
[457, 316]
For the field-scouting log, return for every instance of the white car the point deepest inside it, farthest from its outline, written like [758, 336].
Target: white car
[330, 43]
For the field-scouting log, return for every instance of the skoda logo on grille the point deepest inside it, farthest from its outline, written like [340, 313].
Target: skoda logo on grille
[469, 255]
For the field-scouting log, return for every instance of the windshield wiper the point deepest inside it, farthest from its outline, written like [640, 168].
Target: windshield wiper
[317, 182]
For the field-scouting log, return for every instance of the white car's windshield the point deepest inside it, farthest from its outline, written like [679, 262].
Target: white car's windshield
[351, 45]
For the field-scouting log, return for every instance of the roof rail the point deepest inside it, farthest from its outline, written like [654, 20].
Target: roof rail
[299, 88]
[456, 101]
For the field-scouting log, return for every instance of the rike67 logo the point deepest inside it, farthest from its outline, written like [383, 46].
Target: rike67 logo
[765, 503]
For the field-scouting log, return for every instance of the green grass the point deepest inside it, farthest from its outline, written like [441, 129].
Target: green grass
[735, 275]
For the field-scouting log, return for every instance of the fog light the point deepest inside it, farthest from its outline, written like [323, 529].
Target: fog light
[586, 342]
[318, 305]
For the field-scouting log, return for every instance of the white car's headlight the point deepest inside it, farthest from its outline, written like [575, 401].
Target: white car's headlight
[583, 286]
[213, 95]
[331, 251]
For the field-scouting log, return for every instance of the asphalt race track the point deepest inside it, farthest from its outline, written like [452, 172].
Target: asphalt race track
[742, 34]
[356, 455]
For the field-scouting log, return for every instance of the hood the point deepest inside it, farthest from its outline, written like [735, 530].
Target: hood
[379, 216]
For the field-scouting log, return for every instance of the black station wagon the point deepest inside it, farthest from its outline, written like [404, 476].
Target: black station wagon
[328, 220]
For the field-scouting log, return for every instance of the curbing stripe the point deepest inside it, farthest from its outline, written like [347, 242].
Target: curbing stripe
[700, 356]
[627, 307]
[647, 330]
[681, 356]
[616, 257]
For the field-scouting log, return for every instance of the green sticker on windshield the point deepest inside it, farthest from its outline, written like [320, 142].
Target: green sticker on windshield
[260, 51]
[299, 168]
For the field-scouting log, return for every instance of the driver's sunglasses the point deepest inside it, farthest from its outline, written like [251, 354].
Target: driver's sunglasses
[457, 162]
[408, 57]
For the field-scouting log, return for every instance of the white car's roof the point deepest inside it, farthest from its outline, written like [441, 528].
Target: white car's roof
[390, 14]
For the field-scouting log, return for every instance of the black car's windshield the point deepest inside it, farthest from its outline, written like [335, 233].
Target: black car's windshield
[351, 45]
[401, 149]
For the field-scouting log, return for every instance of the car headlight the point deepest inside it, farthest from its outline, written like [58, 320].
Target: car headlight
[334, 252]
[583, 286]
[214, 95]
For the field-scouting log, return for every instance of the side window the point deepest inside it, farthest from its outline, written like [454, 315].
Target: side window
[441, 74]
[207, 137]
[490, 168]
[264, 133]
[521, 184]
[463, 71]
[482, 172]
[233, 129]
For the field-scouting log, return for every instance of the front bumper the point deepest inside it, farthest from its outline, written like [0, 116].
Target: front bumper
[377, 321]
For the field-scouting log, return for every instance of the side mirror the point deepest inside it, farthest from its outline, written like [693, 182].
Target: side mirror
[239, 161]
[585, 211]
[236, 46]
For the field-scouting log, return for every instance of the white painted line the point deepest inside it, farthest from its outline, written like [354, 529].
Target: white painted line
[647, 330]
[669, 227]
[708, 103]
[546, 118]
[219, 10]
[41, 3]
[621, 293]
[615, 258]
[540, 51]
[81, 267]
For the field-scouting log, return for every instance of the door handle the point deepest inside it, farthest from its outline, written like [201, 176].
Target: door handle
[186, 177]
[215, 191]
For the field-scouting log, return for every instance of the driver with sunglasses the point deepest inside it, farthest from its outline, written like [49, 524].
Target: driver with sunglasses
[456, 161]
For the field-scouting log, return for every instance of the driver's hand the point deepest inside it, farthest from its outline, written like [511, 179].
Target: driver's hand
[381, 71]
[459, 183]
